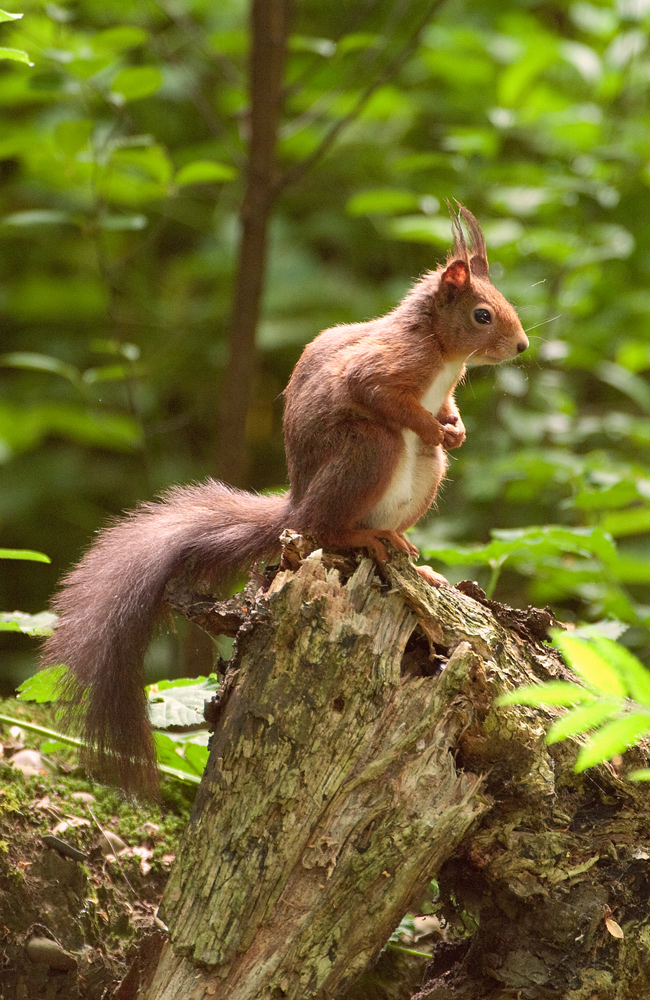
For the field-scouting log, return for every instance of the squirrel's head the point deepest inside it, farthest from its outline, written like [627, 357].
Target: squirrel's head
[476, 323]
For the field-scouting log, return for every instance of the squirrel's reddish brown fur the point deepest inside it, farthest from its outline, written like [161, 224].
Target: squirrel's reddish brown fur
[369, 412]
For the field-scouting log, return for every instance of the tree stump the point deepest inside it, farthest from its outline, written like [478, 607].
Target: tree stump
[357, 753]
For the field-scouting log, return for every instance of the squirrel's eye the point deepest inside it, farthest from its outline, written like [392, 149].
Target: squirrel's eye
[483, 316]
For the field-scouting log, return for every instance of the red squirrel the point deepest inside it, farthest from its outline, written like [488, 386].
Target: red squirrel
[369, 412]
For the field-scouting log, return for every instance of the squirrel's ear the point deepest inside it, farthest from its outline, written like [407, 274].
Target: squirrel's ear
[456, 275]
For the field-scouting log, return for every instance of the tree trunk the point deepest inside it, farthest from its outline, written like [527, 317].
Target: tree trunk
[357, 754]
[269, 31]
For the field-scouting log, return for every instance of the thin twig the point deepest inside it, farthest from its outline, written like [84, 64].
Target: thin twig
[395, 64]
[229, 69]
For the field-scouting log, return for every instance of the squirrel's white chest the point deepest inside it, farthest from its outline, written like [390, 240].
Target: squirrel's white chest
[420, 468]
[441, 386]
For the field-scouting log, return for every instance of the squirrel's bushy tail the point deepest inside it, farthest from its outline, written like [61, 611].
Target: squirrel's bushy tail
[108, 605]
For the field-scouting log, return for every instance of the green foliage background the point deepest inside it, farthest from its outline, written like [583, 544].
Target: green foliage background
[121, 153]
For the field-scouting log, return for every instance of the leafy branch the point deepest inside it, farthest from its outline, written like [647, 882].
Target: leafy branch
[612, 703]
[14, 55]
[531, 545]
[174, 706]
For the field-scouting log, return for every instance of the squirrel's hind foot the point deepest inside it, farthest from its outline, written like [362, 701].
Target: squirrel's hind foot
[431, 577]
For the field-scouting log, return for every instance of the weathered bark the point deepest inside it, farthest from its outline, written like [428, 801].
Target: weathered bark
[558, 862]
[269, 31]
[347, 769]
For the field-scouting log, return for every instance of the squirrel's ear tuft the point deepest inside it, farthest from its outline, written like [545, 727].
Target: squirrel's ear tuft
[456, 275]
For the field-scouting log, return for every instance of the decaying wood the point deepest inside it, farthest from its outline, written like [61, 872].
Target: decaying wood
[357, 754]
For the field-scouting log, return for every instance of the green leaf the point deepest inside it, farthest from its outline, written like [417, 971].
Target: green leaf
[581, 719]
[28, 554]
[73, 136]
[419, 229]
[612, 739]
[627, 382]
[181, 702]
[116, 347]
[204, 172]
[554, 537]
[636, 676]
[38, 217]
[358, 42]
[6, 16]
[37, 296]
[633, 521]
[15, 55]
[196, 756]
[151, 161]
[559, 693]
[118, 39]
[19, 621]
[630, 569]
[589, 664]
[43, 686]
[24, 428]
[53, 746]
[123, 223]
[135, 83]
[172, 754]
[41, 363]
[321, 46]
[641, 774]
[109, 373]
[381, 201]
[534, 543]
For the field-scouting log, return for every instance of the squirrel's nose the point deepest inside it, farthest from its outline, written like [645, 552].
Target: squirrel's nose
[523, 344]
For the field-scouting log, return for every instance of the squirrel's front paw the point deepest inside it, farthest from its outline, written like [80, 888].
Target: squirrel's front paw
[454, 432]
[434, 434]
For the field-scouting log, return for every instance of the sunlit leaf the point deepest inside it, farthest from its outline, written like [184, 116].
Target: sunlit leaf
[19, 621]
[614, 738]
[358, 41]
[15, 55]
[204, 172]
[581, 719]
[151, 161]
[123, 223]
[633, 521]
[43, 686]
[534, 543]
[321, 46]
[135, 83]
[635, 675]
[108, 373]
[41, 363]
[118, 39]
[72, 137]
[420, 229]
[172, 755]
[28, 554]
[6, 16]
[180, 703]
[589, 664]
[382, 201]
[25, 427]
[554, 693]
[584, 58]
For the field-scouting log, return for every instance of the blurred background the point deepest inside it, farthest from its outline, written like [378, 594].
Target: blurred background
[146, 342]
